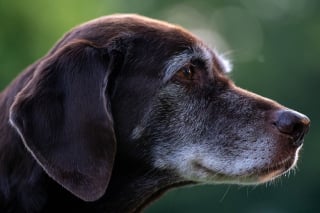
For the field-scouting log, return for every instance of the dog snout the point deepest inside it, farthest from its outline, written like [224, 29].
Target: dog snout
[292, 123]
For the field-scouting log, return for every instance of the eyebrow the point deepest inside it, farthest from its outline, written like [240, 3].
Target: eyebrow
[177, 61]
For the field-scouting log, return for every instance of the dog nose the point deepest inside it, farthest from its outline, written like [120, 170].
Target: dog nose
[292, 123]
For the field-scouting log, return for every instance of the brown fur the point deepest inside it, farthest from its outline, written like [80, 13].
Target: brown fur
[123, 108]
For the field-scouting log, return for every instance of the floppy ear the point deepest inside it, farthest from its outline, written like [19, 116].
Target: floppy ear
[63, 116]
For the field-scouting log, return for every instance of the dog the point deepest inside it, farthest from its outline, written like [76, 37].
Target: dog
[125, 107]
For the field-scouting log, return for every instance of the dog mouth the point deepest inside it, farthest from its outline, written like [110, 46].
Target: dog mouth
[276, 170]
[251, 176]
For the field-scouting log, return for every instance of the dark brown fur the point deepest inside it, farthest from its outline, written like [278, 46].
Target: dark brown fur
[70, 147]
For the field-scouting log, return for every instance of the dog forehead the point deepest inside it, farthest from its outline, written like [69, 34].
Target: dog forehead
[177, 35]
[132, 24]
[178, 44]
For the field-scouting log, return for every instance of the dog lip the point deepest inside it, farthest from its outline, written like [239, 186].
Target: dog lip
[211, 172]
[254, 175]
[204, 168]
[276, 169]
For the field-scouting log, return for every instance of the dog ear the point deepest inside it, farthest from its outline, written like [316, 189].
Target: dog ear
[63, 116]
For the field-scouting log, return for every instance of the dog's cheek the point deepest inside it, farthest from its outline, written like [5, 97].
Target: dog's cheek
[176, 122]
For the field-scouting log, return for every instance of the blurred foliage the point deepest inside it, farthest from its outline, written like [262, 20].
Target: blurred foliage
[275, 48]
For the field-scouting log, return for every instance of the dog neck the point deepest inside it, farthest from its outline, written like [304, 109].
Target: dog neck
[131, 189]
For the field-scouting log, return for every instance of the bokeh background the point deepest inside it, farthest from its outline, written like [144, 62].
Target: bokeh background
[275, 49]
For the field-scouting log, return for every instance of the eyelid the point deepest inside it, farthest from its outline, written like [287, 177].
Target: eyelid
[188, 65]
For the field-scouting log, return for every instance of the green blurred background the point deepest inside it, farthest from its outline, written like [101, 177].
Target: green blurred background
[275, 48]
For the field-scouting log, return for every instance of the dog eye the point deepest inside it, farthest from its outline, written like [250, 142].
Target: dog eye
[186, 72]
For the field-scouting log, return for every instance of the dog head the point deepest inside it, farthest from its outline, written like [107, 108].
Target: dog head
[162, 95]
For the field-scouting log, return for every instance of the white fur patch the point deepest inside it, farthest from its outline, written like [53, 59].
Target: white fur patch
[231, 167]
[224, 62]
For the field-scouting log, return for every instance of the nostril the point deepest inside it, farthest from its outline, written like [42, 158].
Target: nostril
[292, 123]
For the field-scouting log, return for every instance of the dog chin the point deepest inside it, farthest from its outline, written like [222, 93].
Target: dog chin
[251, 177]
[276, 170]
